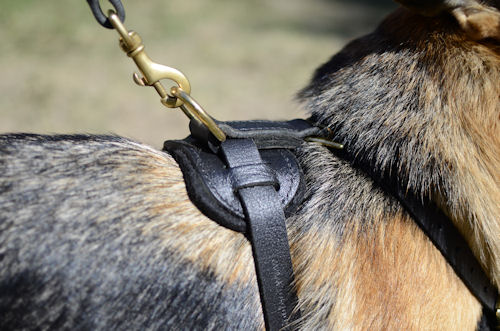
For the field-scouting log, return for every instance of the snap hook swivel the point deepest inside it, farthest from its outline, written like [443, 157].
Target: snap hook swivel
[131, 43]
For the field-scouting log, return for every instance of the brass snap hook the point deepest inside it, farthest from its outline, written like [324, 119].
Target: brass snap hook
[152, 73]
[131, 43]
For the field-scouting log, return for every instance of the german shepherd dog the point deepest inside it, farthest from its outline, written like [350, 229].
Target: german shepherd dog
[98, 232]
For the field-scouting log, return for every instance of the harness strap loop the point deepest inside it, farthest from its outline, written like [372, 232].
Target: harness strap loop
[253, 175]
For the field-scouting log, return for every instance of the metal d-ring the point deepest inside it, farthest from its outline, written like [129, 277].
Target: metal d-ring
[324, 142]
[194, 111]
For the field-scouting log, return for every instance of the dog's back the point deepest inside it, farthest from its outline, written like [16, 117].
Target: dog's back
[97, 232]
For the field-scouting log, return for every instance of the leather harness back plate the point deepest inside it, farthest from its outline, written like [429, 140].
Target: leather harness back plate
[248, 183]
[252, 181]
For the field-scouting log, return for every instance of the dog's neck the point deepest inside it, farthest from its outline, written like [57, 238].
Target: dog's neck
[420, 102]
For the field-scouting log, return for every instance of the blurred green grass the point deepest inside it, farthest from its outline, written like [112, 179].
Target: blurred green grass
[63, 73]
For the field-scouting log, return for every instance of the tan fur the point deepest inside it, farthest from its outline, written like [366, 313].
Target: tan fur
[342, 283]
[479, 22]
[470, 143]
[425, 92]
[466, 133]
[197, 238]
[193, 236]
[477, 19]
[401, 270]
[477, 182]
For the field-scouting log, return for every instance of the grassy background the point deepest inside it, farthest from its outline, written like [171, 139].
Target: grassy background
[245, 59]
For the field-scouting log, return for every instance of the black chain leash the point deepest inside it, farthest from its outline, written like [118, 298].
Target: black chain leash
[103, 19]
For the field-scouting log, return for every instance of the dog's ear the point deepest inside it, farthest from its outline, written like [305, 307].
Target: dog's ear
[479, 19]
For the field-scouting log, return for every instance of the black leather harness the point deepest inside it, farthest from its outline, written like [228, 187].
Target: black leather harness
[252, 181]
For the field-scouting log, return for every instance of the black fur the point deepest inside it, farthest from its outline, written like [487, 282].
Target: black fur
[73, 252]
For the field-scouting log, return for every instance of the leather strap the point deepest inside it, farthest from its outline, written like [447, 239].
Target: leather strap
[266, 227]
[265, 134]
[211, 184]
[101, 17]
[440, 230]
[448, 240]
[247, 184]
[488, 322]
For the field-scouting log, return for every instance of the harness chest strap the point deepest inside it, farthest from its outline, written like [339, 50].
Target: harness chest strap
[443, 234]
